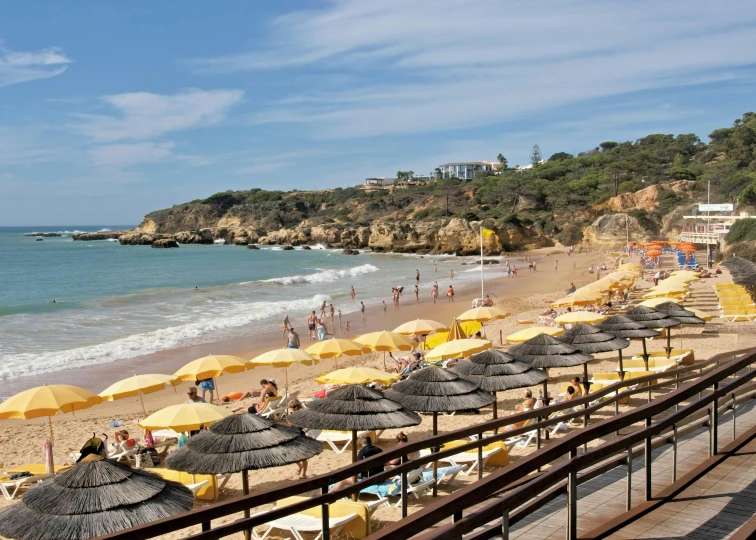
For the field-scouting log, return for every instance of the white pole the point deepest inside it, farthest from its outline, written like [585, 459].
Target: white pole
[708, 222]
[627, 233]
[482, 295]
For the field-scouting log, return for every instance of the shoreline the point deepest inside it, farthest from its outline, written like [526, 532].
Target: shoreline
[97, 377]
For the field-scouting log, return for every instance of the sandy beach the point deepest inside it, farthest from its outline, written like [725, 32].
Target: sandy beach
[524, 296]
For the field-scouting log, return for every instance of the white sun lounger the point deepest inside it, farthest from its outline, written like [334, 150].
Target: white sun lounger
[12, 488]
[417, 487]
[301, 523]
[466, 459]
[334, 438]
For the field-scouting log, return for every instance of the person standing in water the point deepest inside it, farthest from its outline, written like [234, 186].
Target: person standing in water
[417, 294]
[352, 293]
[451, 274]
[362, 310]
[323, 310]
[435, 268]
[450, 293]
[331, 310]
[417, 276]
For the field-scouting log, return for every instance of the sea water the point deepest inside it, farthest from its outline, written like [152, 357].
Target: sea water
[114, 302]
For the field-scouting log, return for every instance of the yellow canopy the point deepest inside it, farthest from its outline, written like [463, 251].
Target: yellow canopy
[455, 332]
[420, 327]
[282, 358]
[691, 273]
[385, 341]
[527, 333]
[664, 293]
[653, 302]
[458, 348]
[631, 267]
[468, 327]
[580, 317]
[138, 384]
[333, 348]
[47, 400]
[700, 314]
[210, 367]
[578, 298]
[184, 417]
[483, 314]
[358, 375]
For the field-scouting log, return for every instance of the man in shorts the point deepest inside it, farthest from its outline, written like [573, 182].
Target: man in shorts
[312, 322]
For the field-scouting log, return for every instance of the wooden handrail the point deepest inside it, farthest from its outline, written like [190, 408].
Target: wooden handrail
[470, 495]
[205, 515]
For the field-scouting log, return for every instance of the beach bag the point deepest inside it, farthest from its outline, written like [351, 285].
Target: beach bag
[93, 446]
[147, 457]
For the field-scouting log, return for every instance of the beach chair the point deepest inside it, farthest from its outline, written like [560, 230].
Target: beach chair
[11, 488]
[417, 486]
[565, 425]
[347, 518]
[465, 459]
[271, 404]
[204, 486]
[334, 438]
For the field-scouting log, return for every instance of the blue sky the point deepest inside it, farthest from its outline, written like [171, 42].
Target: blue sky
[111, 110]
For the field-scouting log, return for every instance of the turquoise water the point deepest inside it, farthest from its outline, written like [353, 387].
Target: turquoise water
[114, 302]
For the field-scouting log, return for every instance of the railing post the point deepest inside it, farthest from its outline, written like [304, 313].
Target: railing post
[711, 433]
[505, 525]
[538, 437]
[324, 517]
[629, 494]
[647, 458]
[734, 414]
[677, 387]
[674, 452]
[404, 494]
[205, 526]
[572, 500]
[715, 421]
[457, 516]
[480, 458]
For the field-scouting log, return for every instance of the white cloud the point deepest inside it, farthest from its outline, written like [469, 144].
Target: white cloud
[127, 154]
[143, 115]
[19, 67]
[443, 64]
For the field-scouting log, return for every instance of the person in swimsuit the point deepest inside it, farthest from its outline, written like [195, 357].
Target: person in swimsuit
[450, 293]
[293, 339]
[417, 294]
[417, 276]
[362, 310]
[312, 321]
[352, 293]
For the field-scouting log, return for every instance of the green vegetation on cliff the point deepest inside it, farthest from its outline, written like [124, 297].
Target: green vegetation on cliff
[559, 196]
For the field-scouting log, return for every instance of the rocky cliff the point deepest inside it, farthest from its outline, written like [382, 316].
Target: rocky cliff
[613, 230]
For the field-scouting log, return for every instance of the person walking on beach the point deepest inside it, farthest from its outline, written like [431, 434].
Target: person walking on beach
[417, 294]
[352, 293]
[556, 265]
[322, 331]
[417, 276]
[362, 310]
[450, 293]
[339, 316]
[286, 325]
[346, 328]
[330, 308]
[435, 268]
[311, 323]
[434, 292]
[535, 268]
[293, 339]
[323, 310]
[385, 307]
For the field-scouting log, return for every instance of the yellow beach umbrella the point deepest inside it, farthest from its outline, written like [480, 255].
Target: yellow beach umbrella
[184, 417]
[138, 385]
[458, 348]
[210, 367]
[358, 375]
[653, 302]
[333, 348]
[528, 333]
[580, 317]
[483, 314]
[468, 327]
[420, 327]
[455, 332]
[578, 298]
[48, 400]
[283, 358]
[664, 292]
[386, 342]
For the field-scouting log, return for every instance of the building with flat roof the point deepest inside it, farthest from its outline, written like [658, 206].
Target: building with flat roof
[466, 170]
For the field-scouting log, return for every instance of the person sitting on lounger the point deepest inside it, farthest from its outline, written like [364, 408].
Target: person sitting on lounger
[367, 450]
[575, 383]
[295, 406]
[401, 440]
[527, 404]
[569, 395]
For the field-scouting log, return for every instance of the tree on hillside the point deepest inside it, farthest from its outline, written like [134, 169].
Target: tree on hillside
[560, 156]
[439, 174]
[502, 161]
[607, 145]
[615, 174]
[535, 156]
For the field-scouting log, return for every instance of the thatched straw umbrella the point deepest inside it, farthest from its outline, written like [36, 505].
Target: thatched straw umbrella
[590, 340]
[354, 408]
[497, 371]
[679, 314]
[621, 327]
[240, 443]
[94, 497]
[545, 352]
[651, 318]
[434, 390]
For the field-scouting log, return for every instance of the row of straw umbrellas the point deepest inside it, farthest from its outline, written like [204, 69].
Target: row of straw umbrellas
[239, 443]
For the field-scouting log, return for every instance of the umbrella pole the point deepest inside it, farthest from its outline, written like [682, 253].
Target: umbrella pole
[384, 360]
[354, 459]
[587, 387]
[621, 370]
[286, 380]
[668, 348]
[645, 353]
[49, 423]
[495, 409]
[435, 449]
[217, 392]
[245, 490]
[142, 402]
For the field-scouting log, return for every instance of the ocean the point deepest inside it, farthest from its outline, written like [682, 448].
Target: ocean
[116, 302]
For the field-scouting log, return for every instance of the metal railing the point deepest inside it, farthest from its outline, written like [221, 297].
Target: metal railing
[509, 477]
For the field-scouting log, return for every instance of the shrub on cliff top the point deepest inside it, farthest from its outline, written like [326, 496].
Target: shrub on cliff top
[743, 230]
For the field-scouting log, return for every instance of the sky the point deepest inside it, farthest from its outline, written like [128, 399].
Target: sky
[110, 110]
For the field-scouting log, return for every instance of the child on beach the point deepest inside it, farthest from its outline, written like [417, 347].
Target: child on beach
[346, 328]
[450, 293]
[362, 310]
[384, 307]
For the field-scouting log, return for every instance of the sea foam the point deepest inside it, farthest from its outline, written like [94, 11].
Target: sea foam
[325, 276]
